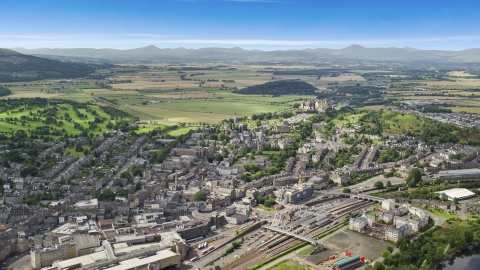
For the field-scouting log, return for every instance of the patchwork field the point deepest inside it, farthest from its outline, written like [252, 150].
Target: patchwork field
[202, 92]
[342, 78]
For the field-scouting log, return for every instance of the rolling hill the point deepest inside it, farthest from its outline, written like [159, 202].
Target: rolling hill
[17, 67]
[278, 88]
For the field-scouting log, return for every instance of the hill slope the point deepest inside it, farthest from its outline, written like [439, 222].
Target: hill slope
[277, 88]
[15, 67]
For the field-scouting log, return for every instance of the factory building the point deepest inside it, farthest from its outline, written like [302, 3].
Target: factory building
[459, 193]
[459, 174]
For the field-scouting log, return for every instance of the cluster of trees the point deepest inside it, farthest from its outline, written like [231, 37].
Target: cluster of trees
[391, 173]
[269, 116]
[429, 249]
[268, 202]
[161, 155]
[344, 156]
[394, 155]
[115, 113]
[278, 88]
[35, 199]
[200, 196]
[434, 109]
[414, 177]
[4, 91]
[109, 196]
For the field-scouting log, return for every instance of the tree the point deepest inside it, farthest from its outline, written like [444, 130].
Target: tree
[136, 171]
[138, 186]
[414, 177]
[386, 253]
[468, 235]
[347, 190]
[296, 105]
[402, 243]
[389, 184]
[29, 170]
[330, 182]
[200, 196]
[270, 202]
[378, 185]
[78, 148]
[379, 266]
[260, 200]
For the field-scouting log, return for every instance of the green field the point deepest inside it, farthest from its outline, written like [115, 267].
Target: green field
[306, 251]
[287, 265]
[223, 105]
[442, 214]
[181, 131]
[75, 153]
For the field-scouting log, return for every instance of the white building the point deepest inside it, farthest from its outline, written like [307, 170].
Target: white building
[357, 224]
[459, 193]
[394, 234]
[388, 204]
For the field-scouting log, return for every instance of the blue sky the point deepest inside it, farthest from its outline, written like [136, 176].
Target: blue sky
[250, 24]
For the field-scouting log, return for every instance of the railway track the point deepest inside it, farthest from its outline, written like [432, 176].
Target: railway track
[262, 253]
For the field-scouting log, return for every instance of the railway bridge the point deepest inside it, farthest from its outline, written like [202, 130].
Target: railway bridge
[366, 197]
[293, 234]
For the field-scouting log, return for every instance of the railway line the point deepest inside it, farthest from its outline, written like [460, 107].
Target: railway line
[279, 244]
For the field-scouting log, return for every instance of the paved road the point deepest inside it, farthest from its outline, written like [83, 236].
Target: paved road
[18, 261]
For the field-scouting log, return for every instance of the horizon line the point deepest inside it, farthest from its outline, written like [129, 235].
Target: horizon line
[233, 47]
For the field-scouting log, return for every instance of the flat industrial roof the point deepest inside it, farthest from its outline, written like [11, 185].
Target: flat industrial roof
[83, 260]
[129, 264]
[463, 171]
[458, 193]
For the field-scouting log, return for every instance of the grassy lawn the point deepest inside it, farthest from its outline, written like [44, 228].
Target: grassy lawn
[268, 209]
[75, 153]
[441, 213]
[306, 251]
[286, 265]
[181, 131]
[147, 128]
[372, 213]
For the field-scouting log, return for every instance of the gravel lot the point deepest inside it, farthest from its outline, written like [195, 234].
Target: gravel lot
[357, 244]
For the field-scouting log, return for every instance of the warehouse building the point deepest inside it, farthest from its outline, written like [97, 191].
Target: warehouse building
[459, 174]
[459, 193]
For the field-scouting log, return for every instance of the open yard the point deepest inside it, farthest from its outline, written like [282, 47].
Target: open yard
[357, 244]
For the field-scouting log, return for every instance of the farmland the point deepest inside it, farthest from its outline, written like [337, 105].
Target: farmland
[194, 93]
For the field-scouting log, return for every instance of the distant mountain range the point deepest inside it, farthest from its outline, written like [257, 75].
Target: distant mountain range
[358, 52]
